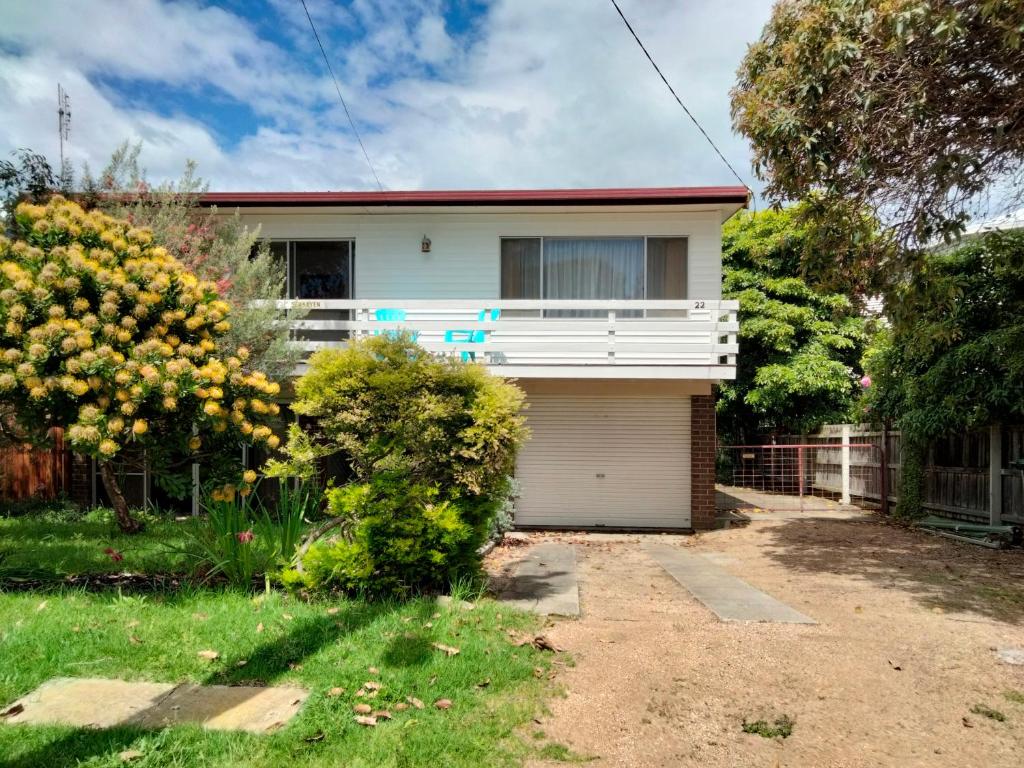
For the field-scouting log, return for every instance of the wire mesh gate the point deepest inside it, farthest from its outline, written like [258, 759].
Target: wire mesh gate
[805, 476]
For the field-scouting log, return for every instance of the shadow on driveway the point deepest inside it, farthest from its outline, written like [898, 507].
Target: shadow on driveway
[938, 573]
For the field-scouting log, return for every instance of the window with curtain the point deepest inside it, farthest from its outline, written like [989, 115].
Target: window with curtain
[593, 268]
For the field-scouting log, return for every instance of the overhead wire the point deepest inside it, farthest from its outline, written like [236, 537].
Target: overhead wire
[337, 87]
[677, 98]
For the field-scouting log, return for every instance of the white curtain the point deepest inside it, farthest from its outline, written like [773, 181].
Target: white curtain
[593, 268]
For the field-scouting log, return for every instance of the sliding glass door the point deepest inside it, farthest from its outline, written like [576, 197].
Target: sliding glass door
[318, 270]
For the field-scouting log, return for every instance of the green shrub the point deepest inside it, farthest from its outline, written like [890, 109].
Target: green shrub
[431, 442]
[402, 538]
[57, 509]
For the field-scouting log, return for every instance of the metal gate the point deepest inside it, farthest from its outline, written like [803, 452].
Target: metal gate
[804, 476]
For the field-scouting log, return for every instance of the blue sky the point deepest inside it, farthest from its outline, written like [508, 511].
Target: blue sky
[466, 93]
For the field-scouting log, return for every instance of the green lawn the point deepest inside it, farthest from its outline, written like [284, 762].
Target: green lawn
[494, 686]
[45, 548]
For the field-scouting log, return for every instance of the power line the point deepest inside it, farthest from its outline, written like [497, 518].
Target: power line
[337, 87]
[676, 95]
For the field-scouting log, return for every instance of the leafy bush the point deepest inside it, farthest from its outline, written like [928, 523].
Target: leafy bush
[104, 333]
[431, 442]
[60, 508]
[403, 538]
[502, 521]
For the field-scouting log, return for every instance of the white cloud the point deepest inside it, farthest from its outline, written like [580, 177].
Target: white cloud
[544, 93]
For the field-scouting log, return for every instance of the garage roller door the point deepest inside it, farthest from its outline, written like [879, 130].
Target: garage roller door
[606, 460]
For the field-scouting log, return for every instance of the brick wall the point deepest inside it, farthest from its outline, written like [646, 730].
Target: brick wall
[702, 457]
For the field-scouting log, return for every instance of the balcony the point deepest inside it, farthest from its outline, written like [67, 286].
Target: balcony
[636, 339]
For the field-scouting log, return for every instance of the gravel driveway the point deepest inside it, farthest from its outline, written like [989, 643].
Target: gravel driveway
[904, 649]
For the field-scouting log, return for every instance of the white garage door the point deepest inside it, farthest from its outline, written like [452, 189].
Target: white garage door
[606, 460]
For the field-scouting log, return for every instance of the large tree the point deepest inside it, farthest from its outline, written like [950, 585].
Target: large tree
[956, 362]
[911, 107]
[105, 334]
[800, 342]
[218, 248]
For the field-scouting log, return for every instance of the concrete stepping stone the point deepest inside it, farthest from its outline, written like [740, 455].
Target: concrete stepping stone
[545, 582]
[102, 703]
[730, 598]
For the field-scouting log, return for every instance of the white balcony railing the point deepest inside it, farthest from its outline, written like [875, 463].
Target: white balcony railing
[690, 338]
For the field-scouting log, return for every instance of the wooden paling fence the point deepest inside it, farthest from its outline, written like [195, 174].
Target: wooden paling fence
[972, 476]
[42, 473]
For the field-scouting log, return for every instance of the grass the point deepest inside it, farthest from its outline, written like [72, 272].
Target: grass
[986, 711]
[781, 729]
[1017, 697]
[322, 644]
[42, 548]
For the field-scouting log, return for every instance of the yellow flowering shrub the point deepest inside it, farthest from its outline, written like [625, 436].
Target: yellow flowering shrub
[102, 332]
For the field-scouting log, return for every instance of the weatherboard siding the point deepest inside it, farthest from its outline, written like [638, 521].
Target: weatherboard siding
[464, 259]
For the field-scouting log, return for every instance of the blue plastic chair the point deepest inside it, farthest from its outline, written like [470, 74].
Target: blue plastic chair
[392, 316]
[462, 336]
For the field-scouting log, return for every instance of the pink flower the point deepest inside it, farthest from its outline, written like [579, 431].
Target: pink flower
[865, 381]
[246, 536]
[114, 555]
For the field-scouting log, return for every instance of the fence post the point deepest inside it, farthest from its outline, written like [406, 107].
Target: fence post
[883, 460]
[995, 474]
[800, 469]
[846, 463]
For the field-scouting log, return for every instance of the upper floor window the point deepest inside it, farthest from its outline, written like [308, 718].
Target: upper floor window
[317, 269]
[593, 268]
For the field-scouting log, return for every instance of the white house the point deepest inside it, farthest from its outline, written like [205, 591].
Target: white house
[604, 304]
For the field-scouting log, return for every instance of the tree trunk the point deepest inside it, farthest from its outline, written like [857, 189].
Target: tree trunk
[125, 521]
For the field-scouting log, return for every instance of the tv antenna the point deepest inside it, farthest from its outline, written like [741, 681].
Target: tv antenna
[63, 119]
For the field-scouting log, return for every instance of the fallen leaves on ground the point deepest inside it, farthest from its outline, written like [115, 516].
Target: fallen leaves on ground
[448, 650]
[130, 754]
[540, 642]
[368, 720]
[362, 709]
[414, 701]
[443, 703]
[335, 692]
[209, 655]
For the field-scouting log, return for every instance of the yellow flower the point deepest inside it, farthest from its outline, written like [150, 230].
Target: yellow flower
[273, 441]
[195, 443]
[108, 447]
[115, 425]
[140, 426]
[211, 408]
[249, 476]
[170, 403]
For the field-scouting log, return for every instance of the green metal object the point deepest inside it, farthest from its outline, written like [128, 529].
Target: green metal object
[994, 536]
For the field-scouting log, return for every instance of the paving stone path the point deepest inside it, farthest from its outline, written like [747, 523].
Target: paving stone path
[545, 582]
[102, 703]
[730, 598]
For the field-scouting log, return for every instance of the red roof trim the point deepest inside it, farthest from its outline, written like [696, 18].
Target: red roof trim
[488, 197]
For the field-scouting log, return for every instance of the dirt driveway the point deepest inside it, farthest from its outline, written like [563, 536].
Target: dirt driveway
[904, 649]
